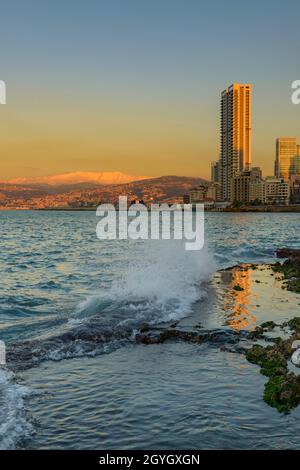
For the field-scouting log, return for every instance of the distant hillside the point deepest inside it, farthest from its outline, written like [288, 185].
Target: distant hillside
[162, 189]
[168, 189]
[75, 179]
[11, 191]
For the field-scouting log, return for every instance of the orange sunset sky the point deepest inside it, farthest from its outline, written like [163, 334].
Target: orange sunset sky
[135, 86]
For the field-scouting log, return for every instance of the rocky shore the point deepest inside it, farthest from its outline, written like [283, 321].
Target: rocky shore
[252, 311]
[290, 268]
[269, 345]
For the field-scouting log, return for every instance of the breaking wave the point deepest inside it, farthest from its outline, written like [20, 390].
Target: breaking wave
[160, 283]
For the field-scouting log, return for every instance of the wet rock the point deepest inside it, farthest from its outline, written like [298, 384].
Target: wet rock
[237, 287]
[268, 325]
[144, 327]
[294, 324]
[288, 253]
[147, 339]
[282, 391]
[290, 268]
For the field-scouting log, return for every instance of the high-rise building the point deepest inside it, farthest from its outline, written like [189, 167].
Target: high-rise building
[236, 134]
[286, 163]
[215, 172]
[296, 163]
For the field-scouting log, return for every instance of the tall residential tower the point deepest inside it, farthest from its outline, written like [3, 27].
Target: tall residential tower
[287, 157]
[236, 134]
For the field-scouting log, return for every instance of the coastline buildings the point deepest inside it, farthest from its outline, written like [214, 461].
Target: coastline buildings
[287, 162]
[295, 188]
[239, 183]
[197, 194]
[215, 172]
[250, 187]
[214, 189]
[276, 191]
[207, 194]
[246, 187]
[236, 135]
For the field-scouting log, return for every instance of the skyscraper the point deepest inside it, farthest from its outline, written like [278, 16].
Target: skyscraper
[297, 162]
[236, 134]
[215, 177]
[286, 157]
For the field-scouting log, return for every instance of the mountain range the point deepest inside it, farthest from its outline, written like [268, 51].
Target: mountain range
[77, 190]
[74, 179]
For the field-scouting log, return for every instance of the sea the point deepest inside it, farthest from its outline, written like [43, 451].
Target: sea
[71, 306]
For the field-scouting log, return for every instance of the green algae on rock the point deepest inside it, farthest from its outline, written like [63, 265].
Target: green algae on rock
[282, 390]
[290, 268]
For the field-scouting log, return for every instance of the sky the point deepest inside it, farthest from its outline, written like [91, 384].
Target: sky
[134, 85]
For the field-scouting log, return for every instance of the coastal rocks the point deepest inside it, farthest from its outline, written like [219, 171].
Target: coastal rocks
[282, 391]
[260, 330]
[218, 336]
[291, 253]
[294, 324]
[290, 268]
[86, 340]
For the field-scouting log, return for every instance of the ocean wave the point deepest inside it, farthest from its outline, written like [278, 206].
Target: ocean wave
[14, 424]
[160, 284]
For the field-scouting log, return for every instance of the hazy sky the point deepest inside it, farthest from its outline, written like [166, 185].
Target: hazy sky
[134, 85]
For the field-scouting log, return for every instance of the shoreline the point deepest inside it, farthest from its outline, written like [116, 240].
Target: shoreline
[258, 209]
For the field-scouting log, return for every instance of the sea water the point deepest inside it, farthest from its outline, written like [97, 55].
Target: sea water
[70, 307]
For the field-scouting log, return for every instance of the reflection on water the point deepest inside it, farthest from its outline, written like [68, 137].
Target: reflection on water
[238, 299]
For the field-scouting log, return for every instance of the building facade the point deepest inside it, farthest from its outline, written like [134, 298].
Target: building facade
[215, 172]
[295, 189]
[213, 192]
[276, 191]
[236, 135]
[198, 194]
[242, 186]
[286, 161]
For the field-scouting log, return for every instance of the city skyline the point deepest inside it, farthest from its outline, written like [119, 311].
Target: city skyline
[117, 87]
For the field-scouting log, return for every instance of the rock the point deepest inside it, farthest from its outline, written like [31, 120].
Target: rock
[237, 287]
[268, 325]
[288, 253]
[144, 327]
[290, 268]
[282, 391]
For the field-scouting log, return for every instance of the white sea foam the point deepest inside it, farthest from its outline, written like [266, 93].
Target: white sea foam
[14, 424]
[160, 283]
